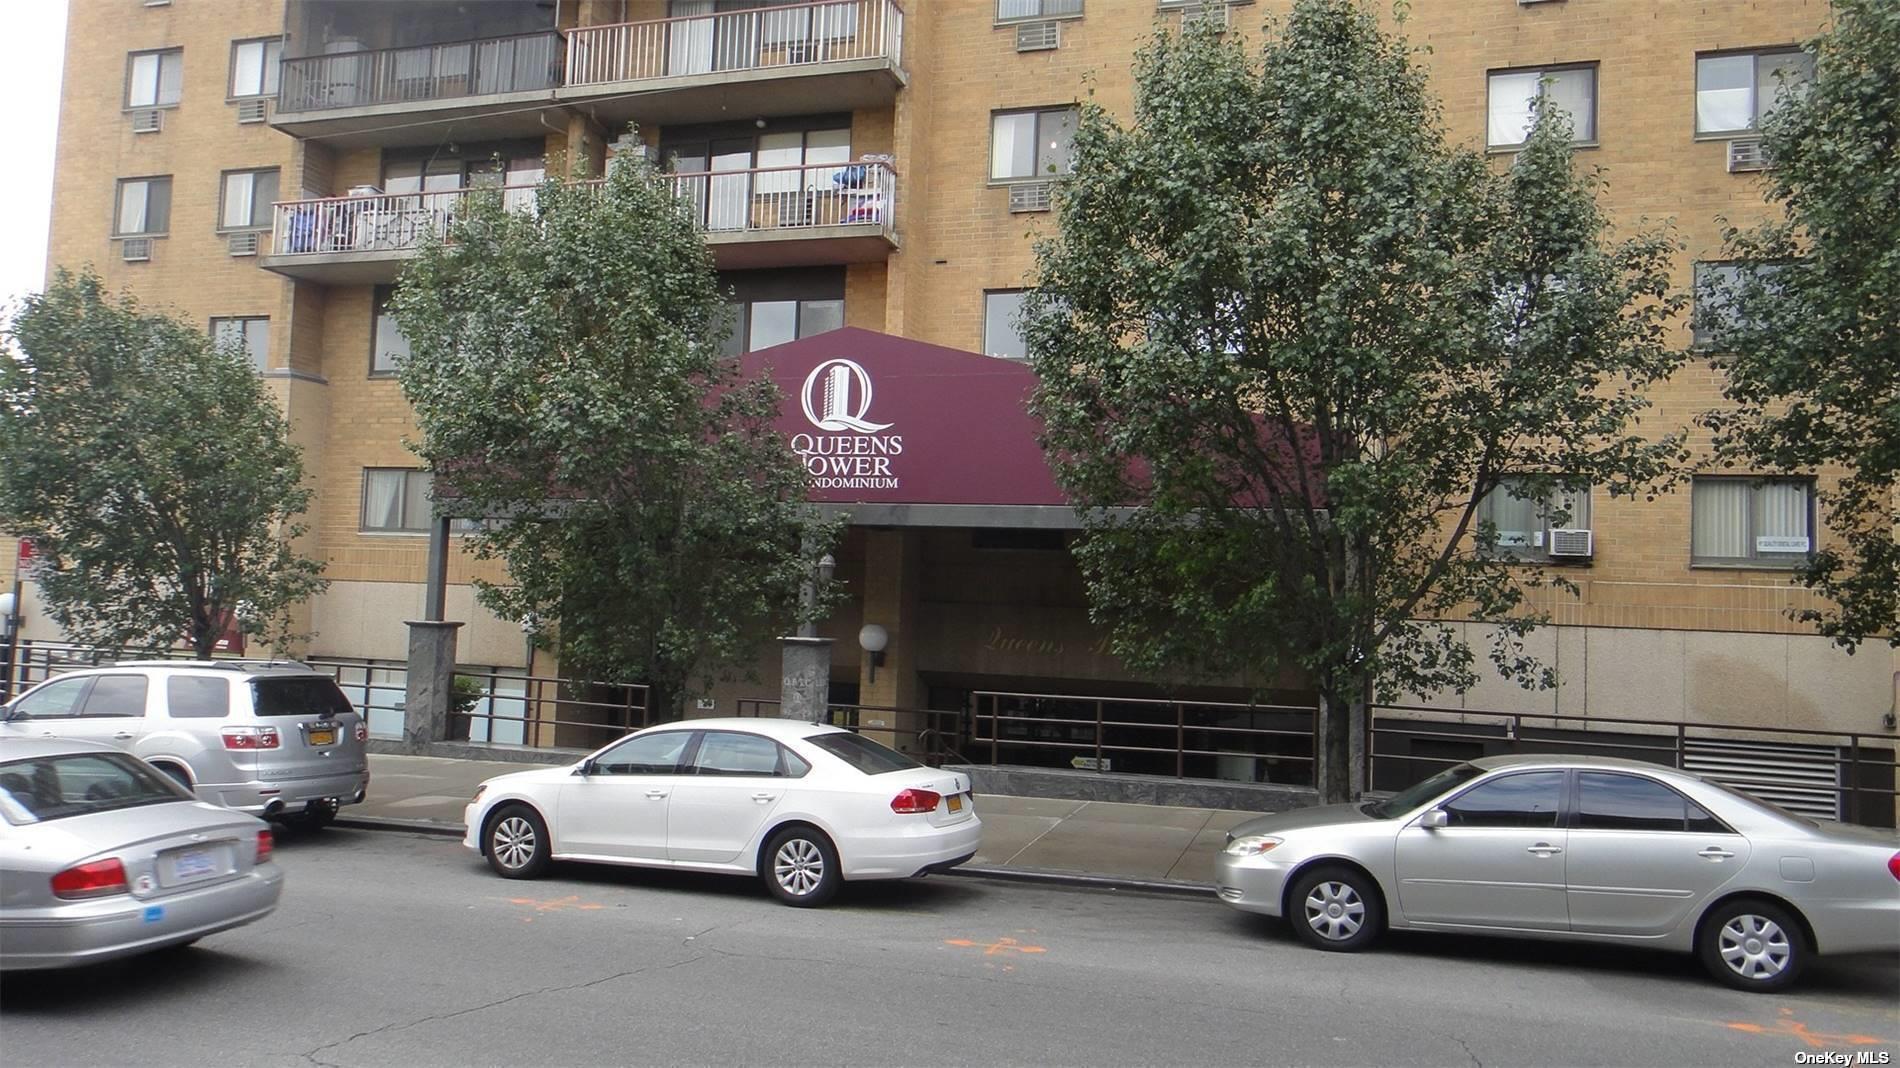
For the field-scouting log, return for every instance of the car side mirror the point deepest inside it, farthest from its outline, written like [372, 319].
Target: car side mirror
[585, 767]
[1434, 819]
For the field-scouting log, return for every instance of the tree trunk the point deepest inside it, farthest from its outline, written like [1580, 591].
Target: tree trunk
[1340, 746]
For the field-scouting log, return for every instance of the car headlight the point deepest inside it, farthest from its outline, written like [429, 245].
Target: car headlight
[1252, 845]
[479, 791]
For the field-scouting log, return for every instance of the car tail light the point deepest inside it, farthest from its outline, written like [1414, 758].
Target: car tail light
[250, 737]
[911, 802]
[265, 841]
[96, 879]
[362, 731]
[1893, 865]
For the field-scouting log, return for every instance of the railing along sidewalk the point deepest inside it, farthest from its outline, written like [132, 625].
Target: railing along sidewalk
[932, 735]
[753, 39]
[1161, 735]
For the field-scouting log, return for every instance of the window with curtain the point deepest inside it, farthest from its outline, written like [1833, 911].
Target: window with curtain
[246, 199]
[1524, 522]
[396, 500]
[1512, 92]
[248, 332]
[1735, 92]
[388, 347]
[144, 207]
[154, 79]
[1754, 522]
[254, 67]
[1002, 324]
[1031, 144]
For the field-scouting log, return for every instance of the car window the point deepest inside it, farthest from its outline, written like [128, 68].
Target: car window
[1529, 799]
[116, 696]
[727, 753]
[58, 699]
[647, 754]
[197, 697]
[308, 696]
[75, 784]
[862, 753]
[1611, 802]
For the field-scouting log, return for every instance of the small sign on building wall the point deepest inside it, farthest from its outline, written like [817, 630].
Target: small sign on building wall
[1082, 763]
[1781, 545]
[705, 704]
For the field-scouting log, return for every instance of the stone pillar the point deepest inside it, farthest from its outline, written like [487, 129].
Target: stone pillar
[425, 716]
[804, 678]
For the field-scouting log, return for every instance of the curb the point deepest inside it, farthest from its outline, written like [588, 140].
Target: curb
[1040, 876]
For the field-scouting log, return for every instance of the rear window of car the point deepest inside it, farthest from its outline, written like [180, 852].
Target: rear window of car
[299, 697]
[38, 789]
[862, 753]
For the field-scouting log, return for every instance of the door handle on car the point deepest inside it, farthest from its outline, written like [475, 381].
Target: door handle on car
[655, 795]
[763, 798]
[1544, 849]
[1715, 853]
[122, 735]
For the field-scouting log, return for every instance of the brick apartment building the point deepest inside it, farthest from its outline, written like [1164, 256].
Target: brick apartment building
[264, 167]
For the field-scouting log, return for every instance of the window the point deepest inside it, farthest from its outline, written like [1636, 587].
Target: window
[1717, 285]
[772, 307]
[1011, 10]
[649, 754]
[196, 697]
[154, 79]
[1735, 92]
[862, 753]
[1753, 522]
[1526, 800]
[53, 787]
[728, 753]
[310, 696]
[251, 333]
[387, 346]
[1031, 144]
[59, 699]
[118, 696]
[1524, 522]
[1611, 802]
[247, 199]
[144, 207]
[254, 66]
[1574, 89]
[774, 322]
[1002, 323]
[396, 500]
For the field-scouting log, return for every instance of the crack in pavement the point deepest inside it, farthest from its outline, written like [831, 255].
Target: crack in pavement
[1467, 1048]
[311, 1056]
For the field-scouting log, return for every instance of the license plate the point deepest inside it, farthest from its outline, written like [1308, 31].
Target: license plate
[956, 802]
[323, 736]
[192, 863]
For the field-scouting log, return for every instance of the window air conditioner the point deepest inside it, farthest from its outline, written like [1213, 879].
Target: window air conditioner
[1031, 196]
[147, 121]
[1571, 543]
[136, 249]
[250, 111]
[1747, 154]
[244, 244]
[1038, 36]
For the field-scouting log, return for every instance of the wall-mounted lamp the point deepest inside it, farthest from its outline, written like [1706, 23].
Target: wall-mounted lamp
[826, 565]
[872, 639]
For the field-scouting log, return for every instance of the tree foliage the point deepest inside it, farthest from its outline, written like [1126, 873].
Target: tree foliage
[153, 472]
[1307, 338]
[1811, 342]
[566, 375]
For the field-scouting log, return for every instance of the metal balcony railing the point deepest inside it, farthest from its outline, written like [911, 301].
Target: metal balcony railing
[421, 73]
[754, 39]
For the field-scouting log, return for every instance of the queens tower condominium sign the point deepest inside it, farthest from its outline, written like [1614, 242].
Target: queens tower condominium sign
[856, 453]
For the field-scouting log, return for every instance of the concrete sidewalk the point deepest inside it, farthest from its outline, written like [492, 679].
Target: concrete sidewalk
[1023, 837]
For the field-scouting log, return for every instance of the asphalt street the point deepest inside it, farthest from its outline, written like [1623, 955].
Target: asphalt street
[399, 949]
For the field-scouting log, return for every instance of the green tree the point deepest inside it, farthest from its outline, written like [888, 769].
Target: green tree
[1808, 330]
[153, 472]
[565, 371]
[1307, 338]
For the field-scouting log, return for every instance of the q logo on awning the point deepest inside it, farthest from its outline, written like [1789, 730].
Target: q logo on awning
[841, 391]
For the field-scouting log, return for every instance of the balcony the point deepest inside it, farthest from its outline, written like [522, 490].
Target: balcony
[792, 59]
[481, 84]
[765, 217]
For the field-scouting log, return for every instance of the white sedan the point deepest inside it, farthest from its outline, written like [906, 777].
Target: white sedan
[801, 805]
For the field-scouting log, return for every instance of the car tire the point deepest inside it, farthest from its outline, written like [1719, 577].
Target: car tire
[1336, 909]
[312, 819]
[800, 867]
[1752, 944]
[516, 842]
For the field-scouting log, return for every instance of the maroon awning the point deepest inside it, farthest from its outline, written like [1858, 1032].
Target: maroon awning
[880, 419]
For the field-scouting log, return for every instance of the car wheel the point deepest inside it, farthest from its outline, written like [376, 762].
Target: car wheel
[312, 818]
[517, 843]
[1335, 908]
[1751, 944]
[800, 867]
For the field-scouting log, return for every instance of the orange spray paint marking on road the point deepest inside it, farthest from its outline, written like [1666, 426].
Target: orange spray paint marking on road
[1789, 1026]
[556, 904]
[1004, 944]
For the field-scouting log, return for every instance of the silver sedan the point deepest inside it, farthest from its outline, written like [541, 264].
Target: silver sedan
[1576, 848]
[103, 856]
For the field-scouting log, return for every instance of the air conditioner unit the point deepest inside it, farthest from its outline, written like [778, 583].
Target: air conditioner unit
[1747, 154]
[250, 111]
[147, 121]
[1215, 12]
[1038, 36]
[1031, 196]
[244, 244]
[135, 249]
[1572, 543]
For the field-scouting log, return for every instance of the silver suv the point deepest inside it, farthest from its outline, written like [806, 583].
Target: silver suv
[274, 738]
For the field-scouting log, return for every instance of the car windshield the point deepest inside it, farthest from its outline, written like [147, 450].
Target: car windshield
[862, 753]
[312, 696]
[1418, 793]
[38, 789]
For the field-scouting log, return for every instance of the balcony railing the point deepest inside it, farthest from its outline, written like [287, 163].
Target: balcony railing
[753, 39]
[421, 73]
[762, 200]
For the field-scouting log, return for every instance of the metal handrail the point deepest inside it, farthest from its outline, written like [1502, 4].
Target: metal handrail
[417, 73]
[751, 39]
